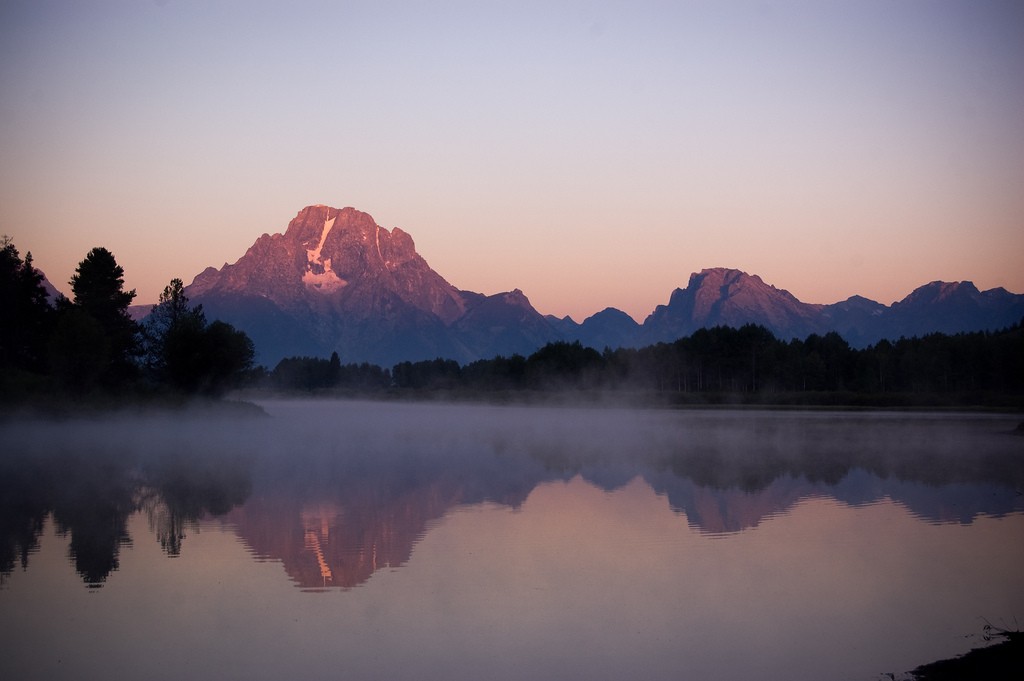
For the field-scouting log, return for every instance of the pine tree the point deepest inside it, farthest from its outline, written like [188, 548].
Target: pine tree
[24, 311]
[98, 289]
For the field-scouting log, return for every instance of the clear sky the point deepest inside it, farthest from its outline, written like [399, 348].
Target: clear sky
[592, 154]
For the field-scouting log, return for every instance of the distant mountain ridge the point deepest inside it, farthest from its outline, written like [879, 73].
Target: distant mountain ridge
[728, 297]
[335, 281]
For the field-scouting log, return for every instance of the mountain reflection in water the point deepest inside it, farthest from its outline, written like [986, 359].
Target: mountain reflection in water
[338, 490]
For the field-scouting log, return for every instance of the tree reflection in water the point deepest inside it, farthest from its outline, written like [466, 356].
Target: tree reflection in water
[92, 506]
[337, 498]
[91, 493]
[182, 490]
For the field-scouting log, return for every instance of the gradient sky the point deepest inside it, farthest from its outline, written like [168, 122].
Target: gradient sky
[592, 154]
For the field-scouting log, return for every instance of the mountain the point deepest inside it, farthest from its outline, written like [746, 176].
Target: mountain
[504, 324]
[943, 307]
[609, 328]
[52, 294]
[857, 319]
[954, 308]
[335, 281]
[726, 297]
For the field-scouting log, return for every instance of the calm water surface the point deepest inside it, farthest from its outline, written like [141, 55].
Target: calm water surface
[409, 541]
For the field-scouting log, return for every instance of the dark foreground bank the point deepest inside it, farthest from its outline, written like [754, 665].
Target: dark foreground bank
[1002, 661]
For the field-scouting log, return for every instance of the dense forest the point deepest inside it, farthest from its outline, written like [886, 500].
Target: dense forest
[88, 349]
[718, 365]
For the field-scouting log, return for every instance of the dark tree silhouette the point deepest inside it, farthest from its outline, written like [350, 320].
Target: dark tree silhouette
[189, 355]
[431, 374]
[230, 353]
[565, 364]
[98, 289]
[79, 350]
[172, 338]
[24, 311]
[171, 309]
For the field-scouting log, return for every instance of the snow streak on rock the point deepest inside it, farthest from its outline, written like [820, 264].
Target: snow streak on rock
[319, 275]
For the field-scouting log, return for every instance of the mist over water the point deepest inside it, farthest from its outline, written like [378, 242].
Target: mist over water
[475, 541]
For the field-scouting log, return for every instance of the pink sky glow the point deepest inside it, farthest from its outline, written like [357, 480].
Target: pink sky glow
[591, 154]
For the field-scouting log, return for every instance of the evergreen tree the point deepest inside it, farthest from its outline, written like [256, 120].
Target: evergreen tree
[24, 310]
[189, 355]
[79, 350]
[230, 353]
[334, 372]
[98, 289]
[171, 334]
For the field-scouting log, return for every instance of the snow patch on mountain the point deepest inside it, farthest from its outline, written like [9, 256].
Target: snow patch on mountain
[319, 275]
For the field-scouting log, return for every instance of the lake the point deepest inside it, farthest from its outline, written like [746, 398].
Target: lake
[386, 540]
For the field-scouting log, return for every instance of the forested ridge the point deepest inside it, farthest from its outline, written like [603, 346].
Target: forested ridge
[716, 365]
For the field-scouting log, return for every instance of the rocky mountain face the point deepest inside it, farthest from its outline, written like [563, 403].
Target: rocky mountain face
[609, 328]
[337, 261]
[953, 308]
[724, 297]
[335, 281]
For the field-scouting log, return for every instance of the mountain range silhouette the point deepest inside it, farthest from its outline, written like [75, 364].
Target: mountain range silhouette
[336, 281]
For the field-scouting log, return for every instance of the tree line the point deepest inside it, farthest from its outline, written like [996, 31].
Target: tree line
[89, 346]
[720, 364]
